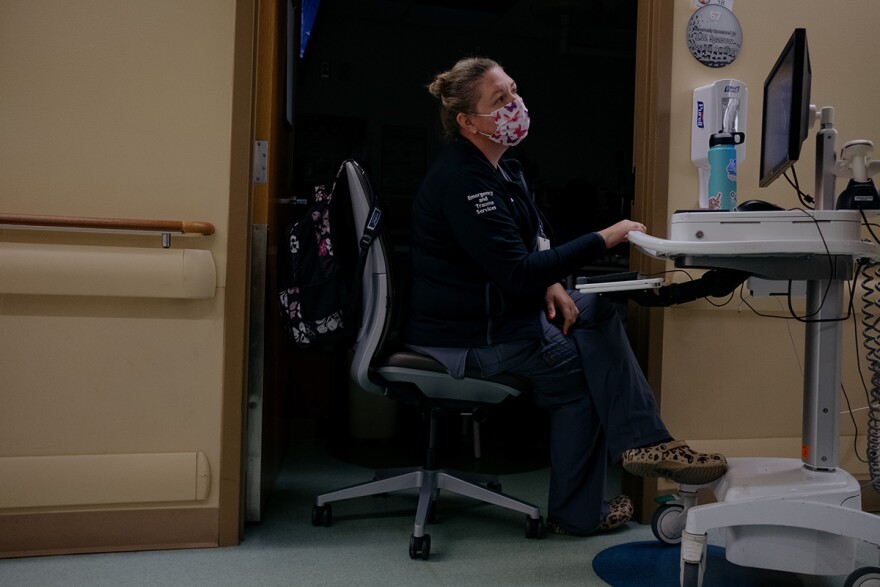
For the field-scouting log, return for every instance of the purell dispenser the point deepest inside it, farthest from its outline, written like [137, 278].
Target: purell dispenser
[718, 108]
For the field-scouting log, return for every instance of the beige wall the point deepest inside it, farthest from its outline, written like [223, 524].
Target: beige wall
[732, 381]
[114, 109]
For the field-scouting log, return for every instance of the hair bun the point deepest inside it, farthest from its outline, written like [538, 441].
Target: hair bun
[437, 86]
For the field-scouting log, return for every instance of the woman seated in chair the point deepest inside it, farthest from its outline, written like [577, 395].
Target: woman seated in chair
[486, 294]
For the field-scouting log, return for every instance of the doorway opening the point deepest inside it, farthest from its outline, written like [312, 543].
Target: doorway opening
[359, 91]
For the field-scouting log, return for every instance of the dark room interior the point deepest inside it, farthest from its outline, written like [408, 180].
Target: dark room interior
[360, 92]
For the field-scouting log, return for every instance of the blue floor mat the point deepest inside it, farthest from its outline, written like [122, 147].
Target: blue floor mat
[642, 564]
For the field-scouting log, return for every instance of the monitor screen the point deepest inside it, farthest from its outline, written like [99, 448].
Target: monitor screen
[308, 16]
[786, 117]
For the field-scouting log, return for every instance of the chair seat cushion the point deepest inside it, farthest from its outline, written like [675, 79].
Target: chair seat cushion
[411, 360]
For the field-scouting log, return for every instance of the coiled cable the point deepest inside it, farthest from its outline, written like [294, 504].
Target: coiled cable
[871, 342]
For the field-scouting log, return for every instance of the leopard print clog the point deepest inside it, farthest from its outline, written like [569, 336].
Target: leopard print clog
[676, 461]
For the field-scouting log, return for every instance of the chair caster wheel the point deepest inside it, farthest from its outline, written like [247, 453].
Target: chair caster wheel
[667, 523]
[535, 527]
[494, 486]
[420, 547]
[322, 515]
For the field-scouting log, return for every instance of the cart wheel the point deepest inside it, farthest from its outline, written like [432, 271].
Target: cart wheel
[667, 523]
[322, 515]
[535, 527]
[420, 547]
[864, 577]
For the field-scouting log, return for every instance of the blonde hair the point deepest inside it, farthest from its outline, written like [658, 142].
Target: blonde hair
[457, 90]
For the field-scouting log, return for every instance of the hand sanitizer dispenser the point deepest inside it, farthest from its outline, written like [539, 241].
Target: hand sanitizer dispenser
[719, 107]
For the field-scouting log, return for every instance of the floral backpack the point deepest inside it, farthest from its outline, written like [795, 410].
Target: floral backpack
[320, 288]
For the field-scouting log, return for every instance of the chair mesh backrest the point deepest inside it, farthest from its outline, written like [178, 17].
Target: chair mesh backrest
[376, 290]
[379, 320]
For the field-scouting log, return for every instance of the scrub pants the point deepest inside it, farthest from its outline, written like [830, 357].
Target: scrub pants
[599, 401]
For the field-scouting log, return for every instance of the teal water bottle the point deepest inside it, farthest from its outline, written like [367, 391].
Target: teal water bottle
[722, 170]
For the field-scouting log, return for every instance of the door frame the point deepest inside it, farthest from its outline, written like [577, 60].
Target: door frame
[651, 133]
[255, 218]
[235, 334]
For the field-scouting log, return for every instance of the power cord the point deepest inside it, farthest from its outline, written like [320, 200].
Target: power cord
[868, 225]
[805, 199]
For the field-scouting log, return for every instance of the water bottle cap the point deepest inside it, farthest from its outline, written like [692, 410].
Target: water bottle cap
[726, 138]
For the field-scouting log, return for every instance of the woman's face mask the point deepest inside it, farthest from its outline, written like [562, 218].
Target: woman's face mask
[511, 123]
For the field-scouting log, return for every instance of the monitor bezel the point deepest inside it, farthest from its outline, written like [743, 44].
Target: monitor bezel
[799, 109]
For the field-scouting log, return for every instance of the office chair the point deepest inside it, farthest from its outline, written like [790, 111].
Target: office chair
[416, 380]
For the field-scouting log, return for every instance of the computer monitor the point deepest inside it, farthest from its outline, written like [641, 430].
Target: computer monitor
[785, 123]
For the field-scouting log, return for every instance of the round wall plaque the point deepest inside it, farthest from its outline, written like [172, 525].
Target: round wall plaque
[714, 36]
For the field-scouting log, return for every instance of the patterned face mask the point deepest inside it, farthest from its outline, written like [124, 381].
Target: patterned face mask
[511, 123]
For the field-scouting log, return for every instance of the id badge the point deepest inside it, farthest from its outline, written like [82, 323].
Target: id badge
[543, 243]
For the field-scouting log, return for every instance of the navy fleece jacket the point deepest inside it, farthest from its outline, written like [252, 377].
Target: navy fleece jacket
[478, 276]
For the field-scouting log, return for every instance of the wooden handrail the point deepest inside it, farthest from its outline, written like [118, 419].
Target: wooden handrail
[175, 226]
